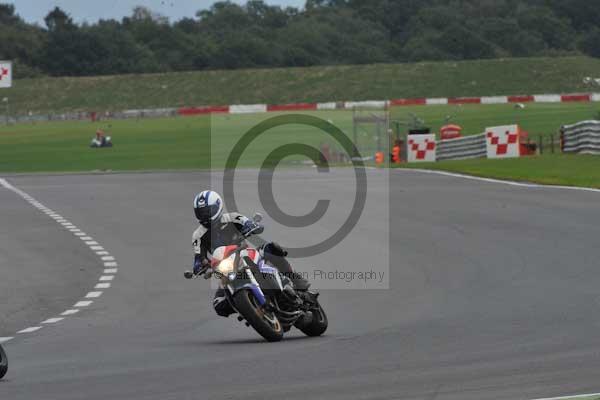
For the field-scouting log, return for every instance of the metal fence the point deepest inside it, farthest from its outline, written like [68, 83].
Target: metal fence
[581, 138]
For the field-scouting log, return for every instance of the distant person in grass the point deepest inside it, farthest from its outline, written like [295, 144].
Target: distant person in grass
[101, 140]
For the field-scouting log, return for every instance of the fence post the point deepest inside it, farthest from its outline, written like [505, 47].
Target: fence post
[562, 140]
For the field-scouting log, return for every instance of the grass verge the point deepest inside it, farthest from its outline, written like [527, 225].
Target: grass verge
[565, 170]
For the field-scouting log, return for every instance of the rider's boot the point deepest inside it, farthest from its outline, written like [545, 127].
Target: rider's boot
[221, 304]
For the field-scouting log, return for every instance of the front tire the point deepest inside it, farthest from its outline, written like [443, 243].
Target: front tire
[319, 324]
[266, 324]
[3, 363]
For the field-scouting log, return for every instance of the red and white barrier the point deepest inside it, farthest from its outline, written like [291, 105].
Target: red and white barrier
[436, 102]
[421, 148]
[191, 111]
[326, 106]
[503, 141]
[494, 100]
[348, 105]
[248, 109]
[292, 107]
[547, 98]
[377, 104]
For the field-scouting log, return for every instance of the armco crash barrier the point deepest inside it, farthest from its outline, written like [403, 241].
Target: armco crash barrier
[582, 138]
[462, 148]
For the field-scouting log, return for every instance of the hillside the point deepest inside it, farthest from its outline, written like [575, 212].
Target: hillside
[286, 85]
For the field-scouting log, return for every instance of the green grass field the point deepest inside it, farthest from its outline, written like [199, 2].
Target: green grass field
[551, 169]
[535, 118]
[290, 85]
[206, 142]
[177, 143]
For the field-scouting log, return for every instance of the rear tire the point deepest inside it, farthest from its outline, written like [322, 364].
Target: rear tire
[267, 325]
[319, 324]
[3, 363]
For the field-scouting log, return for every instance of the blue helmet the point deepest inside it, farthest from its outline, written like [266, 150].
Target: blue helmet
[208, 207]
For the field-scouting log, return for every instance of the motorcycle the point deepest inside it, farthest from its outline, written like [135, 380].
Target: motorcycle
[3, 363]
[264, 298]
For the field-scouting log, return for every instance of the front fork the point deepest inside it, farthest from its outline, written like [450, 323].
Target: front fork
[248, 283]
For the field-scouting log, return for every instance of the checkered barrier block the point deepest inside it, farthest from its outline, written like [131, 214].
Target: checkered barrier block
[502, 141]
[582, 138]
[420, 148]
[6, 74]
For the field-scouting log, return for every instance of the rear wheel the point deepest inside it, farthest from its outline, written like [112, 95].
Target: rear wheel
[263, 322]
[3, 363]
[318, 325]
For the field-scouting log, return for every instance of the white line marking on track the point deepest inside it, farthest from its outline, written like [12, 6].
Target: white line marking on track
[107, 259]
[102, 286]
[30, 330]
[500, 181]
[577, 396]
[52, 320]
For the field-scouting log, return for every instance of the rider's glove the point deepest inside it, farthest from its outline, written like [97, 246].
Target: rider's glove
[251, 228]
[199, 264]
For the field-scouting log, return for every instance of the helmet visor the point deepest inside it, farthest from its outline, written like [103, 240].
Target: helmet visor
[206, 214]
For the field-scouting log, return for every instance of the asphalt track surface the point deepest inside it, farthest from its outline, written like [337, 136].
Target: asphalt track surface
[494, 294]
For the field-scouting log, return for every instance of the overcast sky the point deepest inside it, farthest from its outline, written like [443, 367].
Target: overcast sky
[92, 10]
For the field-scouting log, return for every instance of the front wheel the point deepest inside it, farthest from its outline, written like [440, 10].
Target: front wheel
[318, 325]
[3, 363]
[263, 322]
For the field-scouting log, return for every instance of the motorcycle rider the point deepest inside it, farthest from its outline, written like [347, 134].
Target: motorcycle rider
[221, 229]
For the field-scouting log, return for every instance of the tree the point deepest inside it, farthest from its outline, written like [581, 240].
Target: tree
[57, 20]
[7, 14]
[256, 34]
[590, 43]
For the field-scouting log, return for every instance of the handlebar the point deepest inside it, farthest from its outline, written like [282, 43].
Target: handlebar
[241, 246]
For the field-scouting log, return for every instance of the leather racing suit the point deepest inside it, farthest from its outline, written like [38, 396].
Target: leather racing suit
[231, 228]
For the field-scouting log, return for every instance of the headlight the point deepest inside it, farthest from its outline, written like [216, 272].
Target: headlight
[232, 276]
[225, 267]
